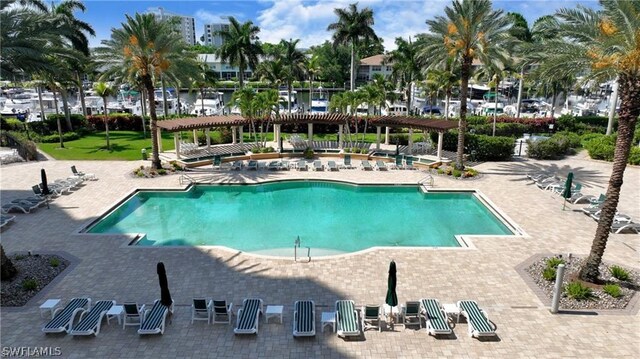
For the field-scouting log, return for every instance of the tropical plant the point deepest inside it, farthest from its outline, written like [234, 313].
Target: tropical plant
[353, 28]
[601, 44]
[619, 273]
[240, 46]
[470, 30]
[405, 67]
[244, 99]
[7, 269]
[293, 61]
[140, 52]
[202, 80]
[103, 90]
[613, 290]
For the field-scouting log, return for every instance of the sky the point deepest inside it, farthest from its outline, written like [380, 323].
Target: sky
[306, 20]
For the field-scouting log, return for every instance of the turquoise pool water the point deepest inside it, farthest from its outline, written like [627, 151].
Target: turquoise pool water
[329, 217]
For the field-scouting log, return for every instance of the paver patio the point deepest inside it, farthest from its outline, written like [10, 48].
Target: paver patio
[109, 269]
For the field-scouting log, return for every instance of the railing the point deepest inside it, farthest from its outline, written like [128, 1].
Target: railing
[426, 181]
[296, 245]
[185, 178]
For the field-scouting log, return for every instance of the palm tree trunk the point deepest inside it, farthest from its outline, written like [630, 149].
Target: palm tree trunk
[81, 93]
[65, 107]
[40, 103]
[241, 74]
[106, 123]
[59, 123]
[465, 73]
[520, 88]
[7, 269]
[352, 78]
[495, 107]
[55, 100]
[165, 107]
[289, 96]
[553, 101]
[155, 157]
[446, 105]
[629, 87]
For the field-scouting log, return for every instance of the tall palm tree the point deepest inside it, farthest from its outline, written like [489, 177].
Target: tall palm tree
[353, 28]
[143, 49]
[240, 46]
[244, 99]
[406, 67]
[602, 44]
[272, 71]
[312, 67]
[103, 90]
[294, 61]
[470, 30]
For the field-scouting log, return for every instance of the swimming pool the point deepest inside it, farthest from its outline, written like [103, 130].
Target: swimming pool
[329, 217]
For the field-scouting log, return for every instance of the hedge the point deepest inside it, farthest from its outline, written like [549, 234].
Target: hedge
[66, 136]
[77, 121]
[26, 148]
[117, 121]
[480, 147]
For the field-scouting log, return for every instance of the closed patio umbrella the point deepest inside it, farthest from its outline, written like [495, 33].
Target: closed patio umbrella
[392, 297]
[165, 295]
[45, 187]
[567, 189]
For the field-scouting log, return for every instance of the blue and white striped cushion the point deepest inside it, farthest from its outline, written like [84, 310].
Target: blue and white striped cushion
[305, 323]
[475, 317]
[90, 320]
[250, 311]
[62, 320]
[153, 320]
[347, 321]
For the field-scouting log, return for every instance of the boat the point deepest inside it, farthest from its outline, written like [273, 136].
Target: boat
[319, 101]
[18, 104]
[284, 103]
[48, 106]
[209, 103]
[395, 109]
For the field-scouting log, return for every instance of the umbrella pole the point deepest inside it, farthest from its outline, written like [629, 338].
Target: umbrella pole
[564, 203]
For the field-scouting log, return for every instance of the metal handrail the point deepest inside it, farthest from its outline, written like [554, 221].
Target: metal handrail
[427, 181]
[184, 177]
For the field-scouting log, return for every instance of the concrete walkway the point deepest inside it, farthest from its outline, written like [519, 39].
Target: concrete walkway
[107, 268]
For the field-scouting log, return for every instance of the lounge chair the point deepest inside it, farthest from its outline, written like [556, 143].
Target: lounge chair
[371, 317]
[346, 318]
[38, 192]
[380, 166]
[25, 207]
[91, 320]
[154, 319]
[33, 201]
[435, 317]
[347, 162]
[365, 165]
[237, 165]
[408, 163]
[317, 165]
[538, 176]
[249, 316]
[285, 165]
[301, 165]
[274, 165]
[84, 176]
[479, 323]
[133, 314]
[63, 317]
[332, 166]
[545, 183]
[217, 162]
[201, 310]
[619, 227]
[619, 217]
[411, 314]
[4, 220]
[304, 318]
[222, 312]
[252, 165]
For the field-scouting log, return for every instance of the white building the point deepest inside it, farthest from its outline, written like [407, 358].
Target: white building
[225, 70]
[210, 37]
[186, 24]
[373, 65]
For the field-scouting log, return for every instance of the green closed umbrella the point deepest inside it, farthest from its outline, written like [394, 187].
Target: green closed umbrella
[567, 189]
[392, 297]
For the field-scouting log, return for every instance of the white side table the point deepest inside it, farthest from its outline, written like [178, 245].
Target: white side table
[115, 311]
[452, 310]
[50, 305]
[273, 311]
[328, 318]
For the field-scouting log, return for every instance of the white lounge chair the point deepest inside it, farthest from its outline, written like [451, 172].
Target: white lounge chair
[201, 309]
[252, 165]
[380, 165]
[91, 320]
[84, 176]
[371, 317]
[25, 207]
[4, 220]
[237, 165]
[479, 323]
[63, 317]
[332, 166]
[618, 218]
[317, 165]
[347, 162]
[133, 314]
[619, 227]
[365, 165]
[301, 165]
[304, 318]
[154, 319]
[222, 312]
[249, 316]
[347, 318]
[435, 317]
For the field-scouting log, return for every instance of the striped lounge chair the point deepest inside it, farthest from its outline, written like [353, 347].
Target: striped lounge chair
[249, 316]
[435, 317]
[347, 318]
[63, 318]
[91, 320]
[154, 319]
[479, 324]
[304, 318]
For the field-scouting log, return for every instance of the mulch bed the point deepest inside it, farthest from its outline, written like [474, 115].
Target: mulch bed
[41, 269]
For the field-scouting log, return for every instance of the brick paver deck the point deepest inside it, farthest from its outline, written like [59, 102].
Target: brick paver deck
[109, 269]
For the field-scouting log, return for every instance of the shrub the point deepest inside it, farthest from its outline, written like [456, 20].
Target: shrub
[571, 139]
[26, 148]
[162, 172]
[20, 257]
[12, 124]
[440, 171]
[549, 274]
[54, 262]
[634, 156]
[578, 291]
[457, 173]
[489, 148]
[66, 136]
[176, 166]
[601, 147]
[29, 284]
[588, 137]
[613, 290]
[554, 262]
[77, 121]
[619, 273]
[308, 153]
[547, 149]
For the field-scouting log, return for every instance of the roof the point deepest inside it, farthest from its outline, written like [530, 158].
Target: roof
[375, 60]
[329, 118]
[419, 123]
[194, 123]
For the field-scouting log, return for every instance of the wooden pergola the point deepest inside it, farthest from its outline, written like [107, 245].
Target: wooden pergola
[236, 122]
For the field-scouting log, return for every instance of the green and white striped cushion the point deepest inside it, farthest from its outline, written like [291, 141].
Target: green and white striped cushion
[475, 317]
[434, 315]
[305, 320]
[62, 320]
[250, 311]
[347, 321]
[90, 320]
[153, 320]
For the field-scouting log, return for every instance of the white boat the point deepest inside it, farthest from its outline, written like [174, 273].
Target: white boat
[319, 101]
[284, 103]
[209, 104]
[48, 106]
[395, 109]
[19, 104]
[172, 103]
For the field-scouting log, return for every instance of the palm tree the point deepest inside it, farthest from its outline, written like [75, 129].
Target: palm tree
[603, 45]
[406, 67]
[386, 89]
[240, 46]
[312, 67]
[203, 79]
[293, 60]
[103, 90]
[353, 28]
[272, 71]
[265, 104]
[143, 49]
[244, 99]
[470, 30]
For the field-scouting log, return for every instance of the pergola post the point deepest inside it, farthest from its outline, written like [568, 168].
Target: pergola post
[386, 135]
[340, 130]
[310, 134]
[378, 131]
[241, 135]
[234, 134]
[276, 136]
[176, 142]
[410, 140]
[206, 134]
[440, 140]
[159, 139]
[195, 137]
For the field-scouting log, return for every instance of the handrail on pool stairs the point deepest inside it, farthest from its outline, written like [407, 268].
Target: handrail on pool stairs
[184, 177]
[427, 181]
[296, 245]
